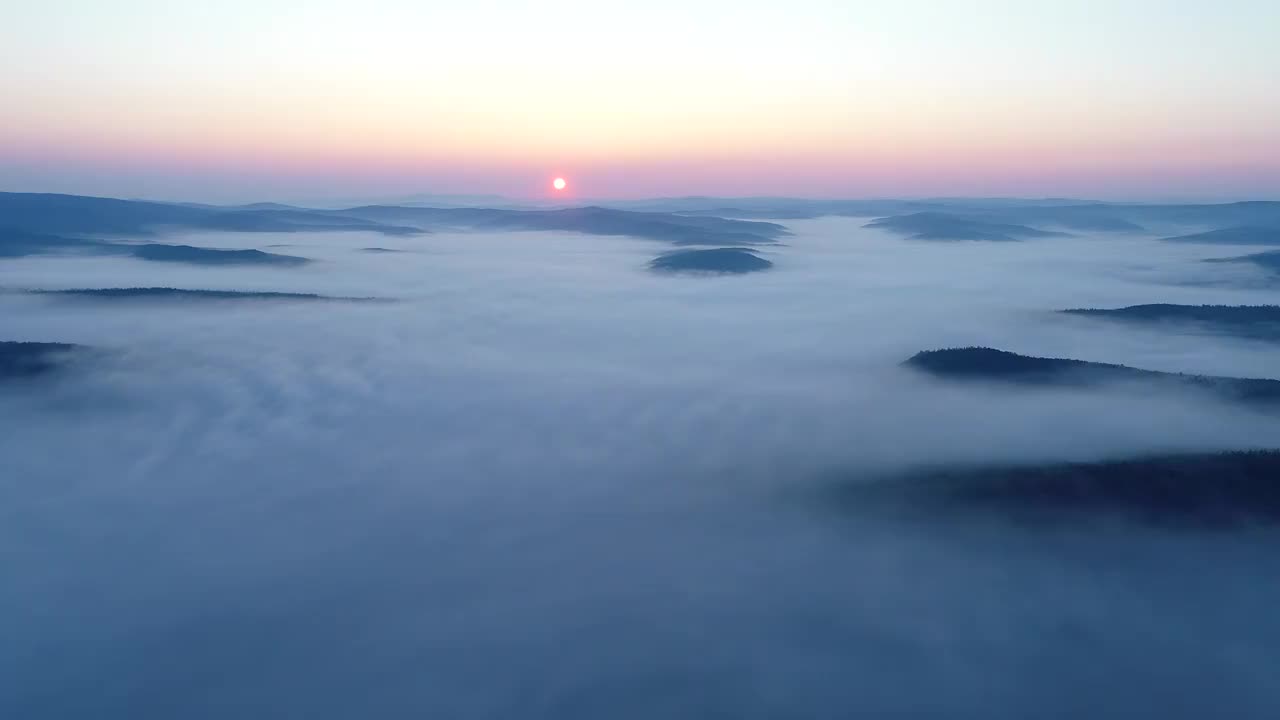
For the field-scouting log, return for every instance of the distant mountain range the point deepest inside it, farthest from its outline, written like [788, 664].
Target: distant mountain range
[77, 216]
[32, 223]
[35, 223]
[1002, 219]
[1045, 213]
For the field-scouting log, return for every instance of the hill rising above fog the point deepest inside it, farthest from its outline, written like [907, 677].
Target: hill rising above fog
[16, 242]
[946, 226]
[987, 364]
[1252, 321]
[212, 256]
[29, 359]
[1204, 490]
[1269, 260]
[1233, 236]
[732, 261]
[168, 293]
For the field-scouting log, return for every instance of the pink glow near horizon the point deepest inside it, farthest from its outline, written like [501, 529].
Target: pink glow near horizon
[710, 98]
[1217, 166]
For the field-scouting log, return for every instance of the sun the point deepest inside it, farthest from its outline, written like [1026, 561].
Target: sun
[559, 183]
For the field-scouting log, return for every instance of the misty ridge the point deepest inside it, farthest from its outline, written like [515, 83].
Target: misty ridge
[1250, 321]
[208, 256]
[45, 223]
[980, 363]
[942, 226]
[1269, 260]
[29, 359]
[53, 216]
[1234, 236]
[717, 448]
[168, 293]
[1187, 492]
[1056, 213]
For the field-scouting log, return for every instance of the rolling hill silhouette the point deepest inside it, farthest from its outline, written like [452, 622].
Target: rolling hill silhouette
[735, 261]
[1251, 321]
[987, 364]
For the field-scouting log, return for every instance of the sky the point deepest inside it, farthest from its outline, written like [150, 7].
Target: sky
[261, 99]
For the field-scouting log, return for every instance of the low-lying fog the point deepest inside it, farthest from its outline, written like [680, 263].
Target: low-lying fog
[546, 482]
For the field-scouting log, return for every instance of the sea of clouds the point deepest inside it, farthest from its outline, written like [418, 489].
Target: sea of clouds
[541, 481]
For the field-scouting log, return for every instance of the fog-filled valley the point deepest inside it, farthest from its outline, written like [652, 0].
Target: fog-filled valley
[663, 459]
